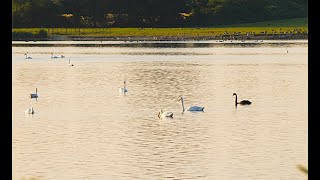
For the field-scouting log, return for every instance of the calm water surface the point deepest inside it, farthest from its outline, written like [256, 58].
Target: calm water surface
[84, 129]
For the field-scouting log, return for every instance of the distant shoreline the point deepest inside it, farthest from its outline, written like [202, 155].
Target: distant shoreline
[160, 34]
[168, 38]
[155, 43]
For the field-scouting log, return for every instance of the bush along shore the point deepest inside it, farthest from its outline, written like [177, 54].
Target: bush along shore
[158, 34]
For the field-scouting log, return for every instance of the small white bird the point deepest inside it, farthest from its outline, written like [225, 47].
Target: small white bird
[70, 63]
[35, 95]
[166, 114]
[27, 57]
[29, 111]
[124, 89]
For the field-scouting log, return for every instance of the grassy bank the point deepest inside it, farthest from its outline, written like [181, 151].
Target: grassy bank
[297, 22]
[296, 26]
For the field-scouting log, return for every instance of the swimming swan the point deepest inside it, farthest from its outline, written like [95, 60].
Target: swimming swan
[52, 57]
[27, 57]
[191, 108]
[34, 95]
[124, 89]
[243, 102]
[29, 111]
[165, 114]
[70, 63]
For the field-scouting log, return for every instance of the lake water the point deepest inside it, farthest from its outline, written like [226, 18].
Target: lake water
[83, 128]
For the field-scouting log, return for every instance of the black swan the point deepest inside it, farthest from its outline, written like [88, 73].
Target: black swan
[243, 102]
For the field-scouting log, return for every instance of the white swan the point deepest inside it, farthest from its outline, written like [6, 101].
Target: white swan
[191, 108]
[70, 63]
[35, 95]
[29, 111]
[124, 89]
[166, 114]
[27, 57]
[52, 57]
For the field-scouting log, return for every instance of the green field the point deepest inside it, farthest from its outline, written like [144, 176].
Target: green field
[298, 22]
[270, 27]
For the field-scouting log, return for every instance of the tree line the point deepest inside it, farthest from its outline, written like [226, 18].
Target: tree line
[151, 13]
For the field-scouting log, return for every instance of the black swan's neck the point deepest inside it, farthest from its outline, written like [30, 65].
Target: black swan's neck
[236, 101]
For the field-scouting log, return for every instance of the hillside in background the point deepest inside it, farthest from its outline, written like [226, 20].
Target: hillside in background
[152, 13]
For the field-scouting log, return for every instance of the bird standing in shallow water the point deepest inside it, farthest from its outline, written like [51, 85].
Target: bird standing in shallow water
[243, 102]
